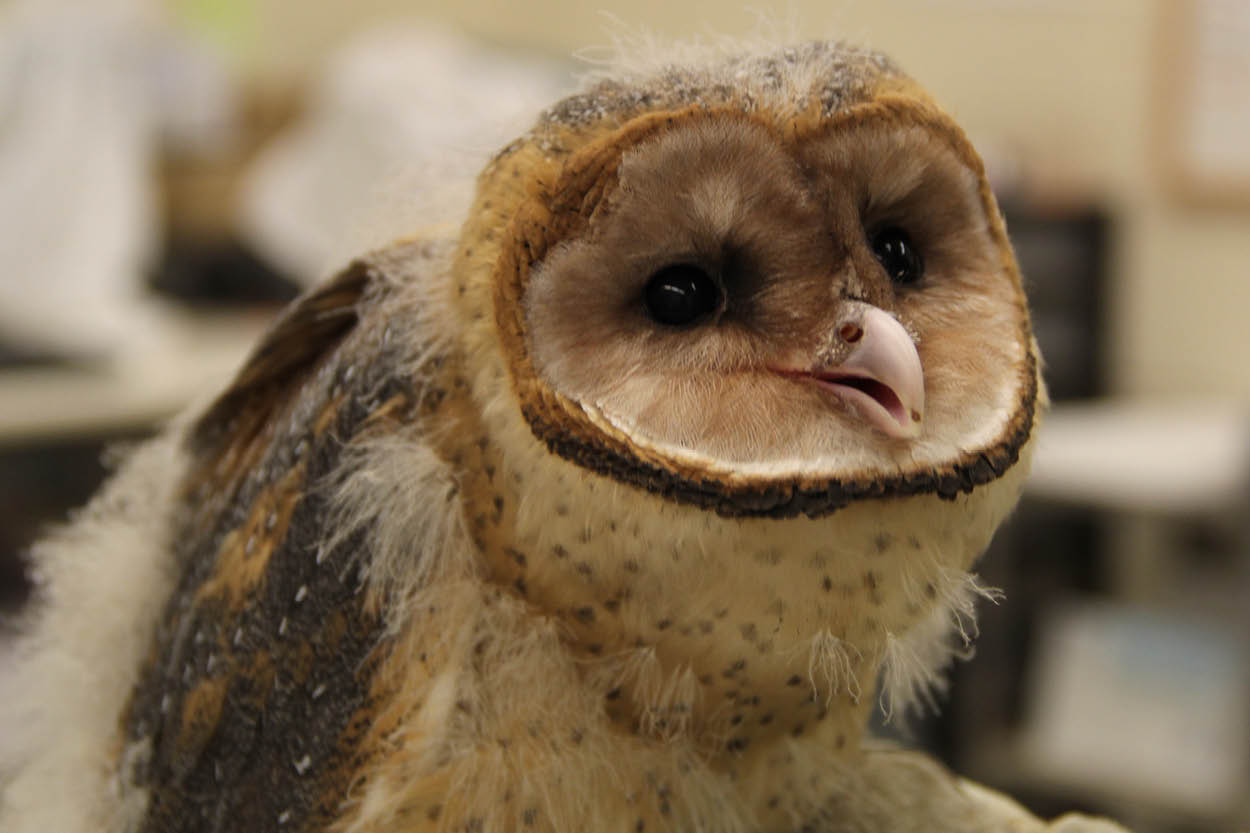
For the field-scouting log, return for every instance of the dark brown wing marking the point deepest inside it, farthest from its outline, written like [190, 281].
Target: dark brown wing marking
[301, 337]
[249, 711]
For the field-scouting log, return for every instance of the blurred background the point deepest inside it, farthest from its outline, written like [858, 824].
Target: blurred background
[172, 171]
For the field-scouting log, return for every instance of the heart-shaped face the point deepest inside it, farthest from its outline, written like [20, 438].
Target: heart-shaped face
[773, 319]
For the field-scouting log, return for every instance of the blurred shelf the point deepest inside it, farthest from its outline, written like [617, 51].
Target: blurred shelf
[135, 390]
[1190, 459]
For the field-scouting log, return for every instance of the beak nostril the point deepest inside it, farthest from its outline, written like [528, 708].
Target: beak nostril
[851, 333]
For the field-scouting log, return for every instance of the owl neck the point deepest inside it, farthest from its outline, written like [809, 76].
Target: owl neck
[733, 632]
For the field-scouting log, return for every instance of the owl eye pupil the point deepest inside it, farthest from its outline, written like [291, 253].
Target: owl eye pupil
[898, 255]
[681, 293]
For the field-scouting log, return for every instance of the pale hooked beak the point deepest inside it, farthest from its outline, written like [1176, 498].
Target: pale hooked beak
[880, 378]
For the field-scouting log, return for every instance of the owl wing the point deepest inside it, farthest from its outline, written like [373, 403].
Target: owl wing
[304, 334]
[248, 711]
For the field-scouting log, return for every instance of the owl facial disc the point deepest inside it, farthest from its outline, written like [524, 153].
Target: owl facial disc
[825, 372]
[880, 378]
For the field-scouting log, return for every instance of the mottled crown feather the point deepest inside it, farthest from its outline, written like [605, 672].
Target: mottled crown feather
[824, 76]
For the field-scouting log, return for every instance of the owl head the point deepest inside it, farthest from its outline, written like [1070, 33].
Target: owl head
[767, 285]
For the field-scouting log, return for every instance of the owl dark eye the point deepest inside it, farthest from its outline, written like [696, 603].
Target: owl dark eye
[681, 293]
[898, 255]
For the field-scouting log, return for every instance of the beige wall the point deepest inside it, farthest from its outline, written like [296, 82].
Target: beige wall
[1070, 85]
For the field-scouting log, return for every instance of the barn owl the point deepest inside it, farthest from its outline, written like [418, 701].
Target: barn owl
[618, 510]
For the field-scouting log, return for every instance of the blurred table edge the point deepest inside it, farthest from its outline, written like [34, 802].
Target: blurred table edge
[1188, 458]
[136, 390]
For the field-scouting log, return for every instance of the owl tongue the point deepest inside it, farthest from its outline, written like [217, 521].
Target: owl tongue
[881, 378]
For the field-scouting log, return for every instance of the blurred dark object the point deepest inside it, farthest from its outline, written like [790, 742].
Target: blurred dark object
[1063, 255]
[202, 260]
[219, 272]
[38, 485]
[15, 355]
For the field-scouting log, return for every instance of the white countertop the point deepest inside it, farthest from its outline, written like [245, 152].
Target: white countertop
[1190, 458]
[138, 389]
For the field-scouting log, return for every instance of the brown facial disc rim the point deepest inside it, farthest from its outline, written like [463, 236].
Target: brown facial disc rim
[567, 207]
